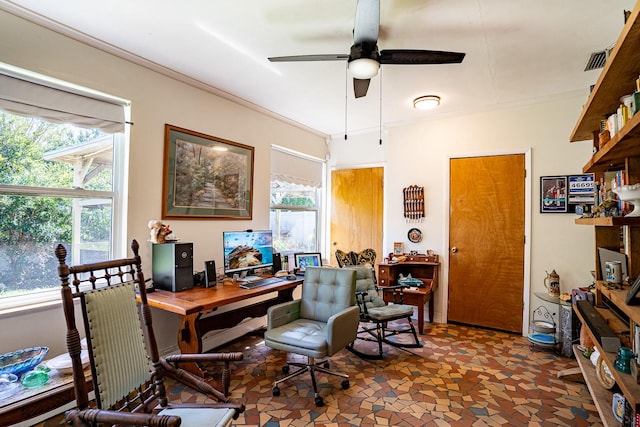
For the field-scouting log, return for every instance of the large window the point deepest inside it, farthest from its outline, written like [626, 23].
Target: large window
[61, 181]
[295, 202]
[294, 217]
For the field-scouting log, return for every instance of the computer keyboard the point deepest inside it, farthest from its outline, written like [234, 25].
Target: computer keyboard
[261, 282]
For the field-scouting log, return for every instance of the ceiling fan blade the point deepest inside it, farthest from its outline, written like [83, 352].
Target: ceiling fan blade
[367, 21]
[360, 87]
[300, 58]
[411, 56]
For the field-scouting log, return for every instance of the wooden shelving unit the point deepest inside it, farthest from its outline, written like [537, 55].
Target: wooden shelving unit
[599, 394]
[609, 221]
[616, 79]
[622, 152]
[629, 387]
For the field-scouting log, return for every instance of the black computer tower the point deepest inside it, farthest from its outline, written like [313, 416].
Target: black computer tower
[172, 266]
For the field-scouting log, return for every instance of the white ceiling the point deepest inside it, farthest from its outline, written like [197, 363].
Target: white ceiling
[516, 51]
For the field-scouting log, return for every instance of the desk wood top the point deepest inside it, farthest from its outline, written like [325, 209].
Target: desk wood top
[200, 299]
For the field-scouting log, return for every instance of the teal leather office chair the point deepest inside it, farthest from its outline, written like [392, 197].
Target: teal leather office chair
[318, 325]
[379, 321]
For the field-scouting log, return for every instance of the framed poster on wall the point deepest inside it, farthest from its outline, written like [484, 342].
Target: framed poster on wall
[568, 193]
[553, 194]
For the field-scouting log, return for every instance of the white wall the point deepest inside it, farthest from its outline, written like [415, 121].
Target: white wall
[419, 155]
[415, 154]
[156, 100]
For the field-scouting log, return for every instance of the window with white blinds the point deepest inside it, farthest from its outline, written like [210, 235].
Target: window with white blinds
[63, 169]
[296, 185]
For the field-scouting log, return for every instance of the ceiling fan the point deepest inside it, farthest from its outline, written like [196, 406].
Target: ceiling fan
[364, 60]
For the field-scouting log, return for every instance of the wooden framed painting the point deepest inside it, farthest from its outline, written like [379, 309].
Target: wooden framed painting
[206, 177]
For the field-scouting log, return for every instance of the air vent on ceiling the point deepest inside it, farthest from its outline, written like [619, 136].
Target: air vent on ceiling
[597, 59]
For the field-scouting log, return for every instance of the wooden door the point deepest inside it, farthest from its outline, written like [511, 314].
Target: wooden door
[486, 241]
[356, 210]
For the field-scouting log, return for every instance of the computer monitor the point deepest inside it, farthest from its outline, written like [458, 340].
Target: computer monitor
[246, 251]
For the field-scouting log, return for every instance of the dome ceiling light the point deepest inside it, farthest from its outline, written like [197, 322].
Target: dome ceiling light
[426, 102]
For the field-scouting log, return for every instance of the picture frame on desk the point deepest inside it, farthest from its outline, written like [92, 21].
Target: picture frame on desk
[206, 177]
[398, 248]
[310, 259]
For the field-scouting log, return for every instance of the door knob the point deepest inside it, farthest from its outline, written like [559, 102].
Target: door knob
[454, 250]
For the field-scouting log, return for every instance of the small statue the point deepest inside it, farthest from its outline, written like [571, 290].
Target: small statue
[608, 207]
[159, 232]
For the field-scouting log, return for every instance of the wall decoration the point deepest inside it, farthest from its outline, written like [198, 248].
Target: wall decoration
[414, 235]
[553, 194]
[582, 189]
[567, 193]
[206, 177]
[413, 203]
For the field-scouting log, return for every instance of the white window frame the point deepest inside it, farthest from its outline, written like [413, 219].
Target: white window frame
[318, 182]
[118, 195]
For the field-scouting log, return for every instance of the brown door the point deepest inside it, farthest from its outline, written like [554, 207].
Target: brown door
[486, 241]
[356, 210]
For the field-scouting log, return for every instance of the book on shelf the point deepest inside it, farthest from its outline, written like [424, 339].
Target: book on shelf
[619, 180]
[628, 417]
[636, 342]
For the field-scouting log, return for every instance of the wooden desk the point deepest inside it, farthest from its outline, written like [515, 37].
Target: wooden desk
[29, 403]
[194, 303]
[421, 267]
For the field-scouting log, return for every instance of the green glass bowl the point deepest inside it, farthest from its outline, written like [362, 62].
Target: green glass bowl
[36, 378]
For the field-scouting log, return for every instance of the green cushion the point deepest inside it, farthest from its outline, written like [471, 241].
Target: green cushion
[197, 417]
[117, 341]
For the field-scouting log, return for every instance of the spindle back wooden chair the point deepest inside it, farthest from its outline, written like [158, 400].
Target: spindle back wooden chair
[126, 368]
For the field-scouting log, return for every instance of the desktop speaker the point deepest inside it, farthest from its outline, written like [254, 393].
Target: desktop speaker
[172, 266]
[209, 274]
[277, 262]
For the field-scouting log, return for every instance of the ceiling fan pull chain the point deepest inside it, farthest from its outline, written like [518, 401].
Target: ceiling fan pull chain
[346, 96]
[380, 110]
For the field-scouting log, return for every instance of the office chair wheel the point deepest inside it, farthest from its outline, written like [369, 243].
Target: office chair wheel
[326, 364]
[345, 384]
[285, 369]
[275, 391]
[319, 401]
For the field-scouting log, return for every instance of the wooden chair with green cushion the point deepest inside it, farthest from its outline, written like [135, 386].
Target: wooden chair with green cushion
[379, 321]
[126, 369]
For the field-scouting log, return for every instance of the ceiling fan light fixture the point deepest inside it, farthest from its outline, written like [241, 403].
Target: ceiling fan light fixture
[364, 68]
[426, 102]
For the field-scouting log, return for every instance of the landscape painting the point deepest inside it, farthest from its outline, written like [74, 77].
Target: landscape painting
[206, 177]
